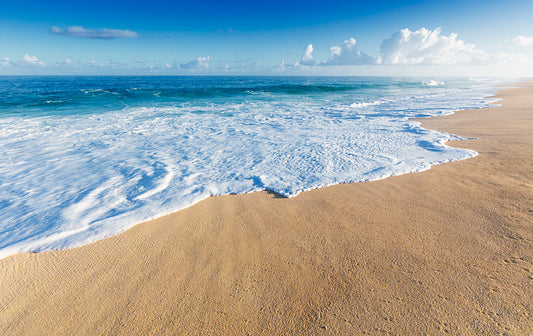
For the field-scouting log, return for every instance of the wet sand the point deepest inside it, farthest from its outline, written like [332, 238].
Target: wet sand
[446, 251]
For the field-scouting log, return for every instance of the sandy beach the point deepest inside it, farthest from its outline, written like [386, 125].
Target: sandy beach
[445, 251]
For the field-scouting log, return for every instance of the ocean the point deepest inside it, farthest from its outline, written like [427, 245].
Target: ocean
[84, 158]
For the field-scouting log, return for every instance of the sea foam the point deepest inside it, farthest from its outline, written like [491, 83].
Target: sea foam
[71, 178]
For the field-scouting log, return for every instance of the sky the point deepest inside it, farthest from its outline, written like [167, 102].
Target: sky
[337, 37]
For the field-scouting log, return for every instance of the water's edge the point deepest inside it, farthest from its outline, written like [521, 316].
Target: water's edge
[416, 123]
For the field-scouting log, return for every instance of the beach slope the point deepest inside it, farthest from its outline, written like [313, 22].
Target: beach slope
[446, 251]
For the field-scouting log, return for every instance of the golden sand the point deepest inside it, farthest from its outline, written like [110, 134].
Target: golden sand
[446, 251]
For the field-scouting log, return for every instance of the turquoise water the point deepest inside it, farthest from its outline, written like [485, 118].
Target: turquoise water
[83, 158]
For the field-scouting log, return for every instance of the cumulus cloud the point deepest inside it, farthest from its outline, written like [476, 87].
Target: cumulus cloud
[426, 46]
[307, 58]
[105, 34]
[96, 63]
[24, 61]
[145, 64]
[65, 62]
[521, 41]
[347, 55]
[30, 60]
[198, 63]
[6, 62]
[280, 67]
[420, 47]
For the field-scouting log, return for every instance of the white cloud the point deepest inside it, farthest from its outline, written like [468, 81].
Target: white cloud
[521, 41]
[106, 34]
[307, 58]
[65, 62]
[280, 67]
[6, 62]
[31, 60]
[419, 52]
[24, 61]
[347, 55]
[198, 63]
[97, 64]
[145, 64]
[426, 46]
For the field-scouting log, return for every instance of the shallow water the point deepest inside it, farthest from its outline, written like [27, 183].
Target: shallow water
[83, 158]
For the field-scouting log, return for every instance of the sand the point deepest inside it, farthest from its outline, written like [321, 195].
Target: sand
[446, 251]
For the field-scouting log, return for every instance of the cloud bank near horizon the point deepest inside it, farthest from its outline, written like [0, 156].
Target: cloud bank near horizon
[24, 61]
[405, 47]
[404, 52]
[104, 33]
[347, 54]
[521, 41]
[426, 46]
[196, 64]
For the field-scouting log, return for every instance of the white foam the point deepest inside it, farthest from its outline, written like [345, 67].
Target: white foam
[70, 180]
[433, 83]
[365, 104]
[162, 185]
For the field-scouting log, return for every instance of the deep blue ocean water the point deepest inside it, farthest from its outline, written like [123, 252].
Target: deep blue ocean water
[83, 158]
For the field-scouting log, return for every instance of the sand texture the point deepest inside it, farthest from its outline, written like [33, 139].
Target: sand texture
[446, 251]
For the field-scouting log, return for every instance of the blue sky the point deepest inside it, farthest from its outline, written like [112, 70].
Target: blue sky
[274, 37]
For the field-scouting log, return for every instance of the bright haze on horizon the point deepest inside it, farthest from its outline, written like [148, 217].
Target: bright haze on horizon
[164, 37]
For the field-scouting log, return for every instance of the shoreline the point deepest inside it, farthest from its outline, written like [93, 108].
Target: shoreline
[45, 241]
[420, 253]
